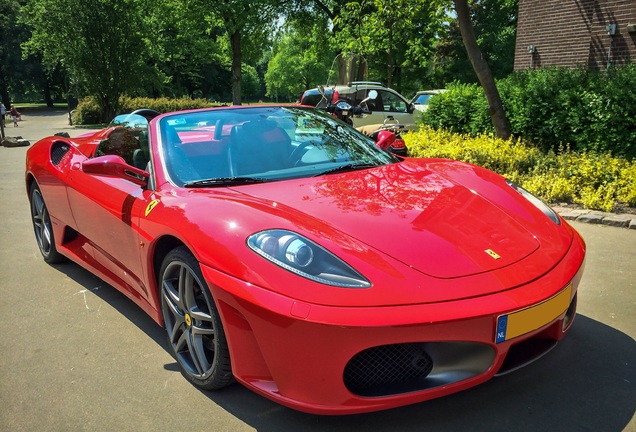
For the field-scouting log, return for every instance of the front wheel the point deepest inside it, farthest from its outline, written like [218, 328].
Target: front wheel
[193, 325]
[43, 227]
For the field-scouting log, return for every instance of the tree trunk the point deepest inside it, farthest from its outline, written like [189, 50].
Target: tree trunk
[235, 40]
[342, 70]
[495, 107]
[47, 93]
[363, 71]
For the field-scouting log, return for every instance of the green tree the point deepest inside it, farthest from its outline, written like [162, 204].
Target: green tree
[300, 59]
[100, 44]
[350, 66]
[495, 26]
[395, 36]
[247, 24]
[11, 35]
[185, 49]
[480, 65]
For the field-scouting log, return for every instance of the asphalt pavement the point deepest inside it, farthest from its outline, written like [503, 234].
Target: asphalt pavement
[76, 355]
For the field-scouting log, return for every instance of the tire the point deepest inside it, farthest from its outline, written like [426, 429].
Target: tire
[195, 333]
[43, 228]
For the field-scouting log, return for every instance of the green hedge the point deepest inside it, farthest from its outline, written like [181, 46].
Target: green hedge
[88, 111]
[582, 109]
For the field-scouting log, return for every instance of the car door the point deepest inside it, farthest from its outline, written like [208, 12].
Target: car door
[368, 120]
[387, 106]
[393, 105]
[107, 211]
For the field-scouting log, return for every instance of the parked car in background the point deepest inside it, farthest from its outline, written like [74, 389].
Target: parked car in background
[421, 98]
[389, 105]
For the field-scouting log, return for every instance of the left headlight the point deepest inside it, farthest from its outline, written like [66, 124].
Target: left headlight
[305, 258]
[536, 201]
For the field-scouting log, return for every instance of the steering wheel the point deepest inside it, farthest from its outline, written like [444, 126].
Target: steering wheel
[295, 156]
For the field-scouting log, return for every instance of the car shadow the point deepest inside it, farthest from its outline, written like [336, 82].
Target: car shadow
[585, 383]
[114, 298]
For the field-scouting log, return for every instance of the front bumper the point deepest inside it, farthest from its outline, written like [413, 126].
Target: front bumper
[343, 360]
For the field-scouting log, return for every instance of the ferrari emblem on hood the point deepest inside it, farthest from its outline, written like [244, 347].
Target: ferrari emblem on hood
[492, 253]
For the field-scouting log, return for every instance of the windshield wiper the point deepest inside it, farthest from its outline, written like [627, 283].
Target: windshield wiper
[224, 181]
[347, 167]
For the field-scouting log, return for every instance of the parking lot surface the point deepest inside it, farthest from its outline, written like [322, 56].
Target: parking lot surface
[76, 355]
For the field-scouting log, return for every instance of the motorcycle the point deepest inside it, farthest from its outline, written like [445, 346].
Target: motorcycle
[387, 136]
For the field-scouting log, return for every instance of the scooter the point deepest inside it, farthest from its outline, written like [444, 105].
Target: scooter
[387, 137]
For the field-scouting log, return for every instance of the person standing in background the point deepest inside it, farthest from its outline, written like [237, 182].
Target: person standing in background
[14, 115]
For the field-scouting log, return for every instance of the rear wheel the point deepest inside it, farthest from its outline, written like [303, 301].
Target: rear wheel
[193, 325]
[43, 227]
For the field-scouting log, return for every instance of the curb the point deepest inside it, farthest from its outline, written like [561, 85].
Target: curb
[625, 220]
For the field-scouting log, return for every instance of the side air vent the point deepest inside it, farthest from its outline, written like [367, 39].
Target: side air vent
[58, 151]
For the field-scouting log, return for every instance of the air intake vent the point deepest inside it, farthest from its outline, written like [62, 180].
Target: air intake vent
[387, 369]
[58, 150]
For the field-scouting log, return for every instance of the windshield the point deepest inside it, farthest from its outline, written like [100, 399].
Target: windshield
[237, 146]
[422, 99]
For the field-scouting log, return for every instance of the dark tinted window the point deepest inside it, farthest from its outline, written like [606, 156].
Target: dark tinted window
[313, 97]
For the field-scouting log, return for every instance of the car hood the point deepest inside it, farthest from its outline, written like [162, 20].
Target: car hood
[412, 213]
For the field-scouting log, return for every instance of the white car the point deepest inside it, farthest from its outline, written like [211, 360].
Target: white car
[421, 98]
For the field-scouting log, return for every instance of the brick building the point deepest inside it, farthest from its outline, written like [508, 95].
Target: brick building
[592, 33]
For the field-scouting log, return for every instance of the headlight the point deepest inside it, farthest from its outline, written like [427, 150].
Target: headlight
[536, 201]
[305, 258]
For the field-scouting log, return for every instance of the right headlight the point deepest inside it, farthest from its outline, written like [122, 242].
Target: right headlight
[305, 258]
[536, 201]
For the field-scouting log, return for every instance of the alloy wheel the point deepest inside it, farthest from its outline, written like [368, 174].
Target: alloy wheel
[189, 320]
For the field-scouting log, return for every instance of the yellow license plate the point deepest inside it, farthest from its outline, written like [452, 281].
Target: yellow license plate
[518, 323]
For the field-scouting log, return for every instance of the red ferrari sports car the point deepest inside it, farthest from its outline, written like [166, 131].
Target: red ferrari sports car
[282, 249]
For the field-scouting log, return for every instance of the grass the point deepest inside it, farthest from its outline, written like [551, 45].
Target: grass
[40, 106]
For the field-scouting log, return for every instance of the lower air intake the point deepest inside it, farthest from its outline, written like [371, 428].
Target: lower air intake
[387, 369]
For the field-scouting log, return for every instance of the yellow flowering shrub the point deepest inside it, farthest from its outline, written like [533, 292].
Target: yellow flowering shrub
[595, 181]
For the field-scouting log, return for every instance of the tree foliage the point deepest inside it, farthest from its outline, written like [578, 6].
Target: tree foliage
[300, 59]
[100, 43]
[203, 48]
[495, 26]
[393, 35]
[17, 76]
[244, 21]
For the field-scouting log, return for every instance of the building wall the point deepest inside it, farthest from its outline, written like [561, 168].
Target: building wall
[573, 33]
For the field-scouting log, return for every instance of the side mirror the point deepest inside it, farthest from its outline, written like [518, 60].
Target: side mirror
[115, 166]
[411, 108]
[373, 94]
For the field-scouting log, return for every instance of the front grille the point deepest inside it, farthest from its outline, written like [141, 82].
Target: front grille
[58, 150]
[387, 369]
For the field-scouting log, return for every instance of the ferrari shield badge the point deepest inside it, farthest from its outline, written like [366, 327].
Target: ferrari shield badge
[151, 206]
[490, 252]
